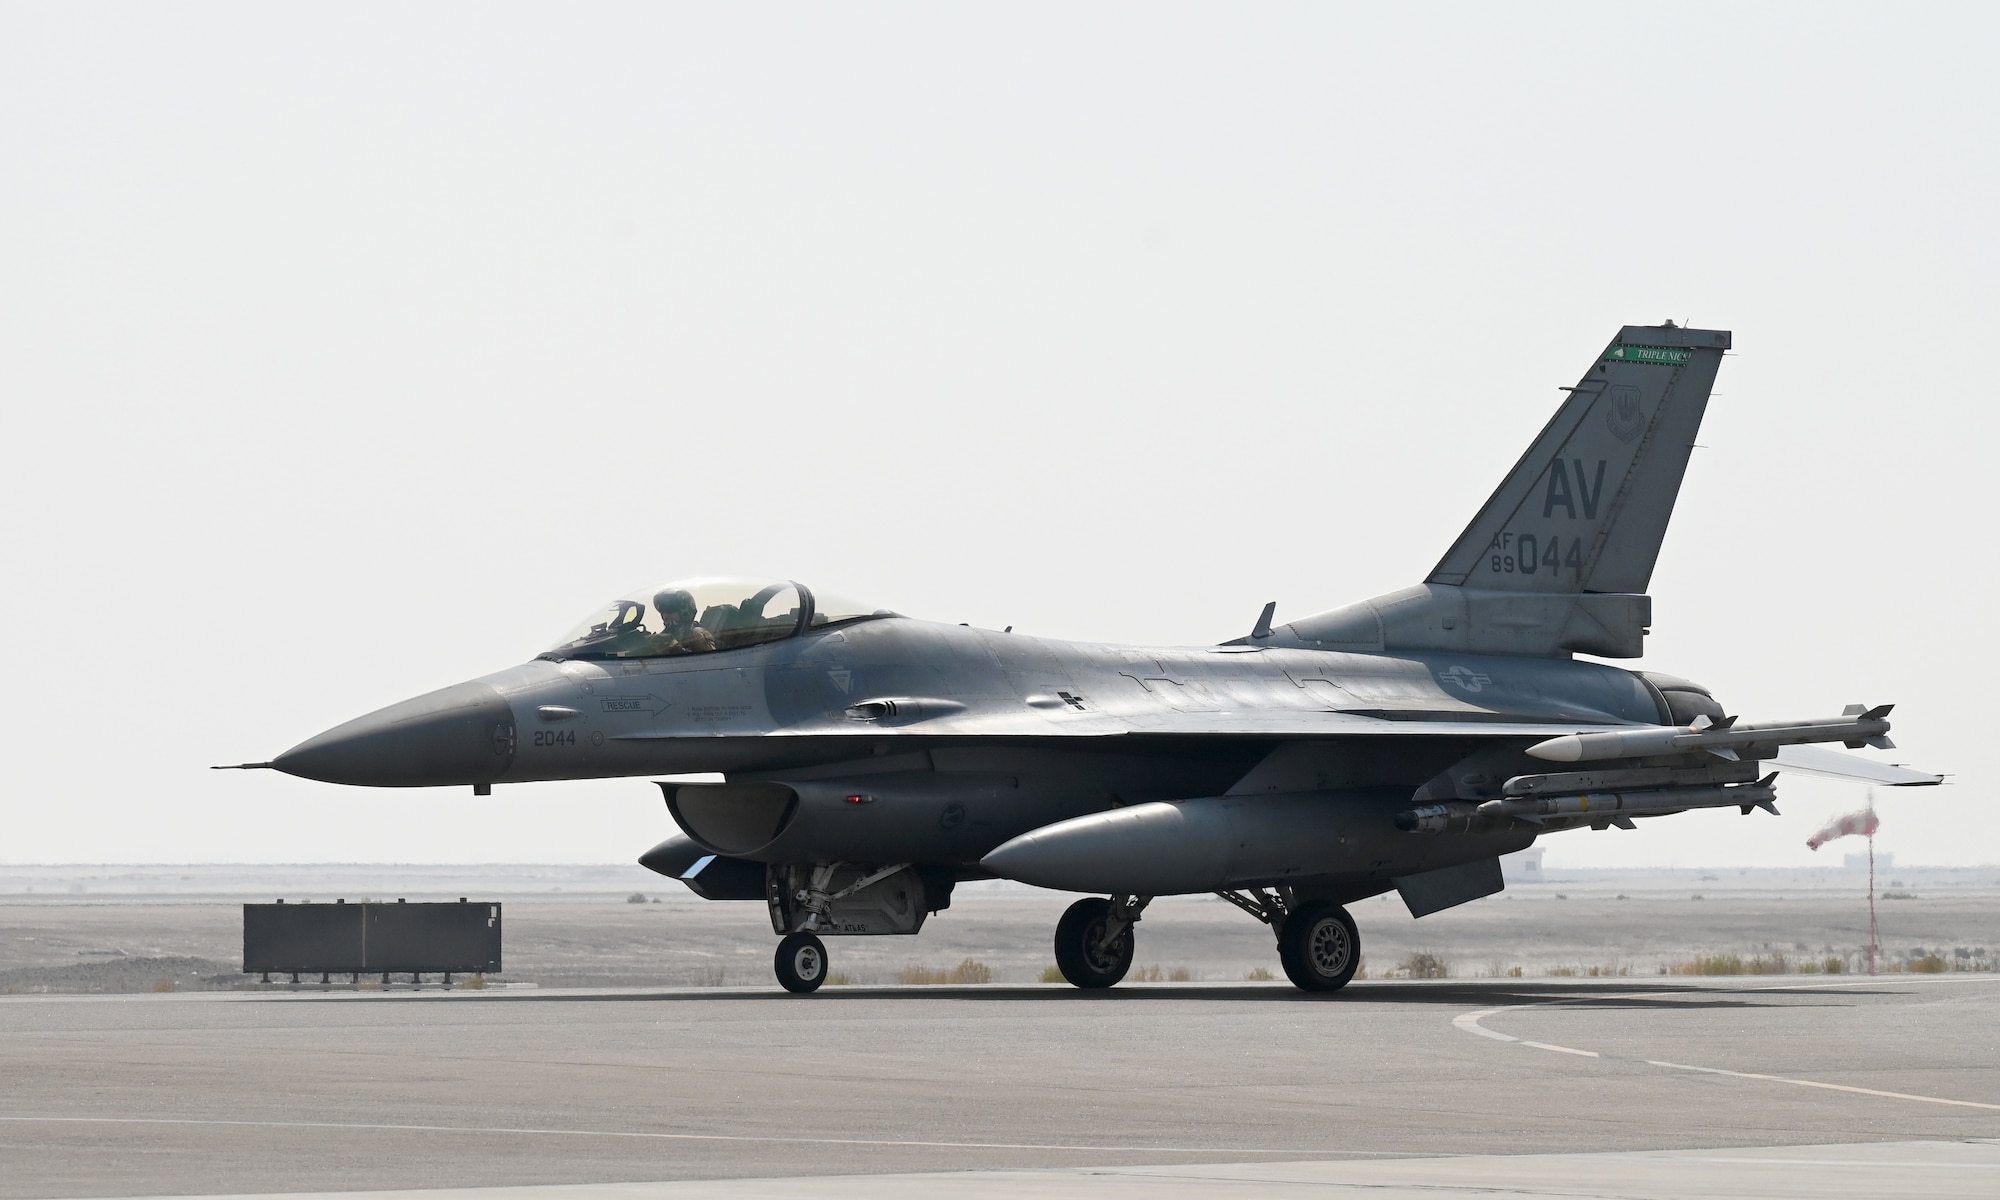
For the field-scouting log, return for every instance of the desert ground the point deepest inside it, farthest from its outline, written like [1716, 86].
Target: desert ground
[126, 929]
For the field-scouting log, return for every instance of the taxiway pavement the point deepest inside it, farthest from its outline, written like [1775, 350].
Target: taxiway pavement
[233, 1093]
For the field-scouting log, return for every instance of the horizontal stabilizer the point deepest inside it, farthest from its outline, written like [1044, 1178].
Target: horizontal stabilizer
[1832, 764]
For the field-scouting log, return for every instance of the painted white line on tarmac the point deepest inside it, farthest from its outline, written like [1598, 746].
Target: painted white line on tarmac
[1563, 1049]
[1293, 1151]
[1470, 1023]
[1831, 1087]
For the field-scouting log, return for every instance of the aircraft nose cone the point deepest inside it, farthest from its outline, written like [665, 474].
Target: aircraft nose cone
[456, 735]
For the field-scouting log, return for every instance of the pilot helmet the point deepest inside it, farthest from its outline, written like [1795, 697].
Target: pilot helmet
[673, 602]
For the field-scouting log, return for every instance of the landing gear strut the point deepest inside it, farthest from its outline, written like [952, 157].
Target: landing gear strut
[1094, 940]
[801, 962]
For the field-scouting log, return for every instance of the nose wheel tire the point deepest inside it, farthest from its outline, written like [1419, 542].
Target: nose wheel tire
[1319, 946]
[1081, 955]
[801, 963]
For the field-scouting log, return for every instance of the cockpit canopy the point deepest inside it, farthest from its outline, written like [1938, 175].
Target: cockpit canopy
[701, 616]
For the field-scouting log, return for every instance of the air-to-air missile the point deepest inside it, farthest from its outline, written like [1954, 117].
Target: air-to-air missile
[1726, 738]
[1616, 808]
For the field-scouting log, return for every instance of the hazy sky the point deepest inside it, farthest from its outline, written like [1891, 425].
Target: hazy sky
[352, 351]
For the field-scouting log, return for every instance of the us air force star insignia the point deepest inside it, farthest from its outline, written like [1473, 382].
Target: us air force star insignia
[842, 679]
[1622, 413]
[1465, 678]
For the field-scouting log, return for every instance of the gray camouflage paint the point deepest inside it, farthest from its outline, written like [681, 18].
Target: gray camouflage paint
[910, 741]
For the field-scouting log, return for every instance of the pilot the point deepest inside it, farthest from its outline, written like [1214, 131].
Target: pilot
[678, 632]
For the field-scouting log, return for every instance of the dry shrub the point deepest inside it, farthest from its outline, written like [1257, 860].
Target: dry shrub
[1928, 964]
[1423, 965]
[166, 985]
[1051, 974]
[969, 970]
[1734, 964]
[1711, 964]
[1179, 975]
[840, 979]
[1259, 975]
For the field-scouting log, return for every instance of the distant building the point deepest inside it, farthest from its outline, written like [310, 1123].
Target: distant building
[1522, 866]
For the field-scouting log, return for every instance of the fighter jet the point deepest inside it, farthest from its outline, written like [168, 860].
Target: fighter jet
[872, 761]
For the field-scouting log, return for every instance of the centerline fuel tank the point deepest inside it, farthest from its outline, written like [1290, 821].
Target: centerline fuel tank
[1218, 843]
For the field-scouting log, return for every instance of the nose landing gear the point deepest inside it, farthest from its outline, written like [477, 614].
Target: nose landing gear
[801, 962]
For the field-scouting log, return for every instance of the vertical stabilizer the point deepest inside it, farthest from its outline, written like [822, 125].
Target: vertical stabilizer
[1586, 508]
[1558, 560]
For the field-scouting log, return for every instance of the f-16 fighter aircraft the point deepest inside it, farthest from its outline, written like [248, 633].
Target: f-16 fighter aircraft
[872, 760]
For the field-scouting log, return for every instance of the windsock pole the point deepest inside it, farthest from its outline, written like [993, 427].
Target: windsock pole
[1874, 934]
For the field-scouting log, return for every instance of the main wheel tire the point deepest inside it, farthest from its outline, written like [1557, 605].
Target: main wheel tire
[1319, 946]
[1077, 954]
[801, 962]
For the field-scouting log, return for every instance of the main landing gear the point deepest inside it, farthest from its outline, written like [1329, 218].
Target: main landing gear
[1319, 946]
[1317, 941]
[1094, 940]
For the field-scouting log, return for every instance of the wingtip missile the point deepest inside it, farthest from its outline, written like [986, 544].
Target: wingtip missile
[1726, 738]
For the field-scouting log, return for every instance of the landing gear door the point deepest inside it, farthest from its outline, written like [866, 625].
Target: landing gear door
[817, 900]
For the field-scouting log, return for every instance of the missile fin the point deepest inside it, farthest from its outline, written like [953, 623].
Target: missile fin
[1881, 742]
[1623, 822]
[1722, 752]
[1877, 713]
[1854, 710]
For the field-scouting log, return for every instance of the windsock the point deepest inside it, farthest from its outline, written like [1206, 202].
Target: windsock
[1863, 823]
